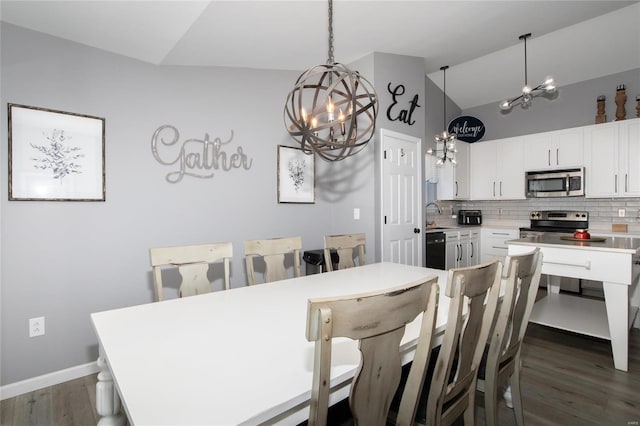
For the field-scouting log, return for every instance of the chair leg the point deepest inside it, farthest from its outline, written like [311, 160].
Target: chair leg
[517, 397]
[491, 402]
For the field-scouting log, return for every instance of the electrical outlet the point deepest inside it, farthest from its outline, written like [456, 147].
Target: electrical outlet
[622, 212]
[36, 327]
[356, 214]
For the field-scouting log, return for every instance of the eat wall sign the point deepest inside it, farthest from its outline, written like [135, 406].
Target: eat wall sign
[401, 109]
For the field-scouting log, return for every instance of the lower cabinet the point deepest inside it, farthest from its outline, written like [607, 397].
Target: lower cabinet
[494, 242]
[462, 248]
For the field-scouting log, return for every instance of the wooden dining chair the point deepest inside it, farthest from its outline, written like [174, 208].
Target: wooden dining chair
[193, 266]
[377, 320]
[501, 361]
[273, 253]
[473, 293]
[345, 245]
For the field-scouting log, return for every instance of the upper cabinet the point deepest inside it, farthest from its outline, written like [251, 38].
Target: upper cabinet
[453, 183]
[558, 149]
[612, 159]
[497, 169]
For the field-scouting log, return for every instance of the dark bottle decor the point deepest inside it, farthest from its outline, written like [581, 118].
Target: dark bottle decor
[601, 117]
[621, 98]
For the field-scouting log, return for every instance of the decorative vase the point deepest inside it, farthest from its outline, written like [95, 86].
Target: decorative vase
[621, 98]
[601, 117]
[638, 106]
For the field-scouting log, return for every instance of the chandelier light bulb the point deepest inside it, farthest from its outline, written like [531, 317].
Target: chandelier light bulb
[505, 105]
[526, 90]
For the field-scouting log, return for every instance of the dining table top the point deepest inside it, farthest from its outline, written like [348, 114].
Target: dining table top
[238, 356]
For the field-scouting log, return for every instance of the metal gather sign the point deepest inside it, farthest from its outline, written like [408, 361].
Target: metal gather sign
[467, 128]
[195, 157]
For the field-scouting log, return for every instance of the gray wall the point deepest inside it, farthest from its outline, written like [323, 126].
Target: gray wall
[65, 260]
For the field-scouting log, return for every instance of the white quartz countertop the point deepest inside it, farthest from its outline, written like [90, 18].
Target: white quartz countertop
[611, 244]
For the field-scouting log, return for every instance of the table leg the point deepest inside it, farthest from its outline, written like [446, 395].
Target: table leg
[616, 297]
[553, 284]
[107, 398]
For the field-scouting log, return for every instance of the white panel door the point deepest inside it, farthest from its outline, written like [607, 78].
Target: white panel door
[401, 174]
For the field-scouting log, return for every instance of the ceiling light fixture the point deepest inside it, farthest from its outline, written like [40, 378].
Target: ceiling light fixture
[331, 110]
[445, 149]
[548, 86]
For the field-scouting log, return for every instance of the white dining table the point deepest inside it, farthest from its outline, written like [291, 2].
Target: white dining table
[232, 357]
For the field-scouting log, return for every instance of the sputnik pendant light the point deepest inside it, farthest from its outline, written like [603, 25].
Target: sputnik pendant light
[331, 110]
[547, 86]
[445, 142]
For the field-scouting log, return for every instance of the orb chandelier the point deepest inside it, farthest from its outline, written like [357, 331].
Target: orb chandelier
[445, 142]
[331, 111]
[548, 86]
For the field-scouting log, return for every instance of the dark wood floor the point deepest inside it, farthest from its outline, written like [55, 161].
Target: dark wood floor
[567, 379]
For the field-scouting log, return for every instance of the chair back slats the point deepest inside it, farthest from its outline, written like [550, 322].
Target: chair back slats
[193, 266]
[345, 246]
[474, 294]
[273, 253]
[377, 320]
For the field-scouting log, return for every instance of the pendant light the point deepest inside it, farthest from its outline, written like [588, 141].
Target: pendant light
[331, 111]
[445, 142]
[548, 86]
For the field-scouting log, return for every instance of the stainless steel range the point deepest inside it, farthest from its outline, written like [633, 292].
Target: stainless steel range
[566, 222]
[563, 221]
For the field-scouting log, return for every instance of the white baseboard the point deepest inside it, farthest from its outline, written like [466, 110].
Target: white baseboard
[49, 379]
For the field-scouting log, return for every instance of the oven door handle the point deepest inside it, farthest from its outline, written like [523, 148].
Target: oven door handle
[568, 183]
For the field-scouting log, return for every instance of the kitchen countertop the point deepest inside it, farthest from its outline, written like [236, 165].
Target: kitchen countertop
[612, 244]
[446, 228]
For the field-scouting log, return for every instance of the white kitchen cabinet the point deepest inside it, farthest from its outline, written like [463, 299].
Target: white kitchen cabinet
[497, 169]
[462, 248]
[453, 183]
[493, 242]
[612, 153]
[558, 149]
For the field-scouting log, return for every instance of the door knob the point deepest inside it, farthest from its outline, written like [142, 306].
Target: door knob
[416, 230]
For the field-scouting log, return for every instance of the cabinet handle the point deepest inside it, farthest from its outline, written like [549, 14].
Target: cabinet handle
[456, 188]
[626, 182]
[585, 265]
[615, 181]
[494, 188]
[501, 188]
[549, 157]
[460, 253]
[471, 246]
[557, 157]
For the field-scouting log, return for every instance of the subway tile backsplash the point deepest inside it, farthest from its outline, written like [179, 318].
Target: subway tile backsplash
[602, 212]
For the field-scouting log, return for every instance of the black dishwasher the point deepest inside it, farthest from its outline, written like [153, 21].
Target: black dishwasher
[436, 248]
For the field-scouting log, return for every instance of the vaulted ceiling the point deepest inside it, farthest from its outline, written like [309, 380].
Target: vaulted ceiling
[572, 40]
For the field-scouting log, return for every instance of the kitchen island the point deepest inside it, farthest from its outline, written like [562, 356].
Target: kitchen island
[614, 261]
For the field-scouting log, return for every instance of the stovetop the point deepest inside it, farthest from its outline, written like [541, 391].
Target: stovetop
[557, 221]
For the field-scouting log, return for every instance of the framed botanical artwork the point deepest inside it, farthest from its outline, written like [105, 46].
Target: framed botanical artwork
[55, 155]
[296, 176]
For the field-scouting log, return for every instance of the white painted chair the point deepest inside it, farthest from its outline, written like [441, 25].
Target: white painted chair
[193, 266]
[378, 321]
[522, 277]
[474, 295]
[345, 246]
[273, 252]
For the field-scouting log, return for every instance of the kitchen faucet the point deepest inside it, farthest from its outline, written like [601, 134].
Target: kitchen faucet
[434, 204]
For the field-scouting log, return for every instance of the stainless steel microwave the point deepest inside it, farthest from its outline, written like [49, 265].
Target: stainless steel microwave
[555, 183]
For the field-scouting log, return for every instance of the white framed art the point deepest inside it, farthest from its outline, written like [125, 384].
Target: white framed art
[55, 155]
[296, 176]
